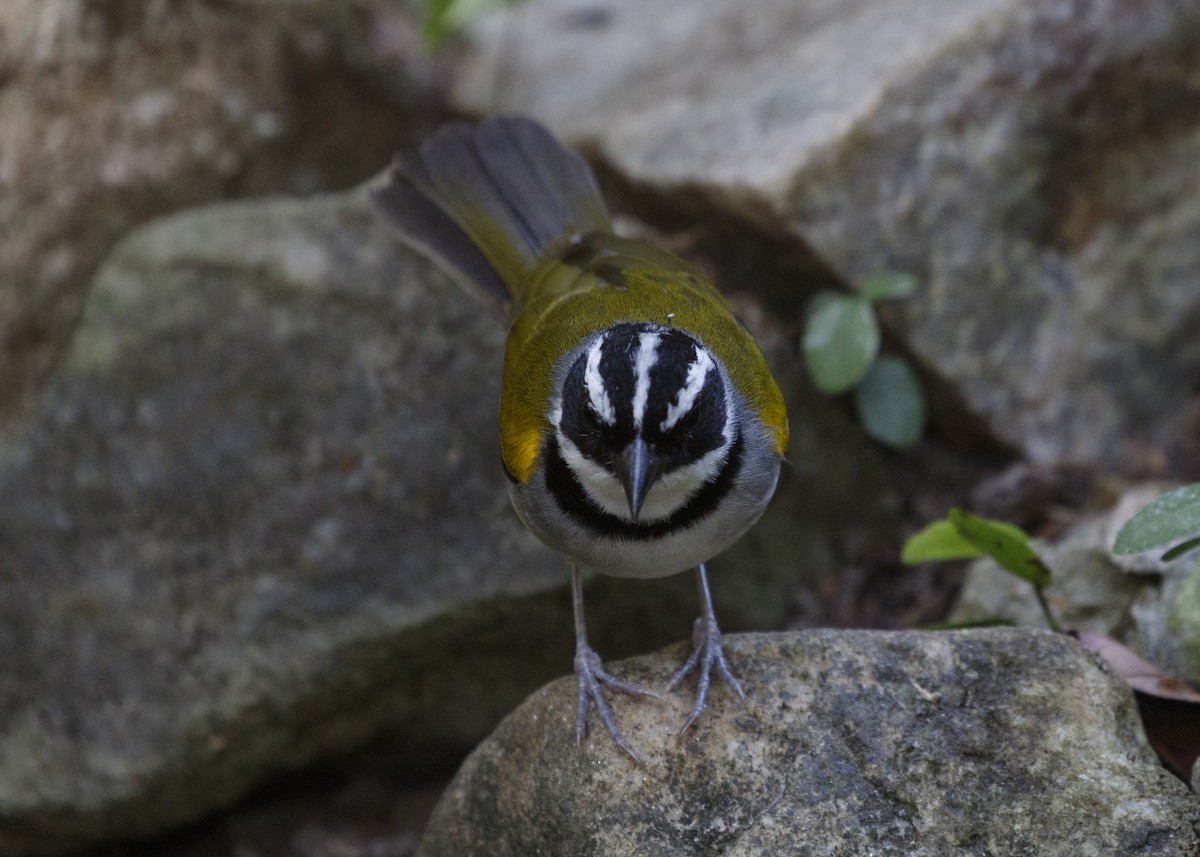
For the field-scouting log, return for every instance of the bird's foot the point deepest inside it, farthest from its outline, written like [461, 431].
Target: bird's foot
[706, 656]
[592, 677]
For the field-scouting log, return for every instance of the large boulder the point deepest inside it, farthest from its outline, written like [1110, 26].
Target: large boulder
[259, 517]
[1031, 161]
[262, 473]
[1001, 742]
[111, 115]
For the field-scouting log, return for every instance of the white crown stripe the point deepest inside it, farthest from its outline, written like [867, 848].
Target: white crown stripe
[647, 356]
[594, 384]
[697, 374]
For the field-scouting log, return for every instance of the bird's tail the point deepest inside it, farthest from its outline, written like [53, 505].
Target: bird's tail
[488, 201]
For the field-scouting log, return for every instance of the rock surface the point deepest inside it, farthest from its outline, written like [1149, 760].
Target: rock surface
[114, 113]
[259, 518]
[245, 501]
[1031, 161]
[1002, 742]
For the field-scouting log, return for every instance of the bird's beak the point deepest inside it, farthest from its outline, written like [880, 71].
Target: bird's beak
[637, 468]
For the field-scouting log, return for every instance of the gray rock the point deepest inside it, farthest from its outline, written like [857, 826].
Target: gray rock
[1031, 161]
[1001, 742]
[259, 517]
[263, 473]
[108, 120]
[1147, 604]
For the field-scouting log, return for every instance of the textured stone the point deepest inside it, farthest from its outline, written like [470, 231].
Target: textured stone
[259, 476]
[113, 113]
[260, 517]
[1031, 161]
[1001, 742]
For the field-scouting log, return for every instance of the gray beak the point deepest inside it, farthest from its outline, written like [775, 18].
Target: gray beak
[637, 468]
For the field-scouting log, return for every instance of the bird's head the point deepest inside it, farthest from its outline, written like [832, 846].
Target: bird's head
[643, 419]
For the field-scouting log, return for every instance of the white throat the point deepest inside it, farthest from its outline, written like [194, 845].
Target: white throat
[668, 495]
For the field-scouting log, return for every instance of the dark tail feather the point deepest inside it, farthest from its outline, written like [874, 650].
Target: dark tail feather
[424, 225]
[489, 200]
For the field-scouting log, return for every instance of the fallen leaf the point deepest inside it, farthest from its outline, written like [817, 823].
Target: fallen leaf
[1170, 708]
[1138, 672]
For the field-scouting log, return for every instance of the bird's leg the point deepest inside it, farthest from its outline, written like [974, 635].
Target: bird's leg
[590, 674]
[706, 654]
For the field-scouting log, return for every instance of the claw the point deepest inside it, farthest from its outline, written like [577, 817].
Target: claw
[707, 655]
[592, 678]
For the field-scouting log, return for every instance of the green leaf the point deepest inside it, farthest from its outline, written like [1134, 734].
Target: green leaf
[443, 17]
[841, 340]
[938, 542]
[942, 541]
[890, 403]
[1006, 544]
[887, 285]
[437, 21]
[1174, 515]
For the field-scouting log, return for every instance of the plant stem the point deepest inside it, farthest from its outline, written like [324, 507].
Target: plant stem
[1050, 620]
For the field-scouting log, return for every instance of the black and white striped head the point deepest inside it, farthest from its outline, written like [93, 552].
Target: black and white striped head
[644, 420]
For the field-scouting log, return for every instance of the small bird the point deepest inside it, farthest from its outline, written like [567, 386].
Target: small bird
[640, 428]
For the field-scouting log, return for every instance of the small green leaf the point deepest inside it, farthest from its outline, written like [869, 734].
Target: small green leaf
[887, 285]
[942, 541]
[841, 340]
[1174, 515]
[890, 403]
[437, 21]
[938, 542]
[1006, 544]
[443, 17]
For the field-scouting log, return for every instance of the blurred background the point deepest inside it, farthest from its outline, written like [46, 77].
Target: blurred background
[260, 587]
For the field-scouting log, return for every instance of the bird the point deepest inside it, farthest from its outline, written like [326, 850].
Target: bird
[641, 430]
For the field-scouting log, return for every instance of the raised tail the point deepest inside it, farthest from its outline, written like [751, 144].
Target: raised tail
[488, 201]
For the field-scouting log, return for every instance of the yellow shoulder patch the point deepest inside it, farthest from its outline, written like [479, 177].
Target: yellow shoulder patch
[519, 451]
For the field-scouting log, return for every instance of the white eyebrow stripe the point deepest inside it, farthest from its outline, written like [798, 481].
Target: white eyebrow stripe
[594, 384]
[697, 374]
[647, 356]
